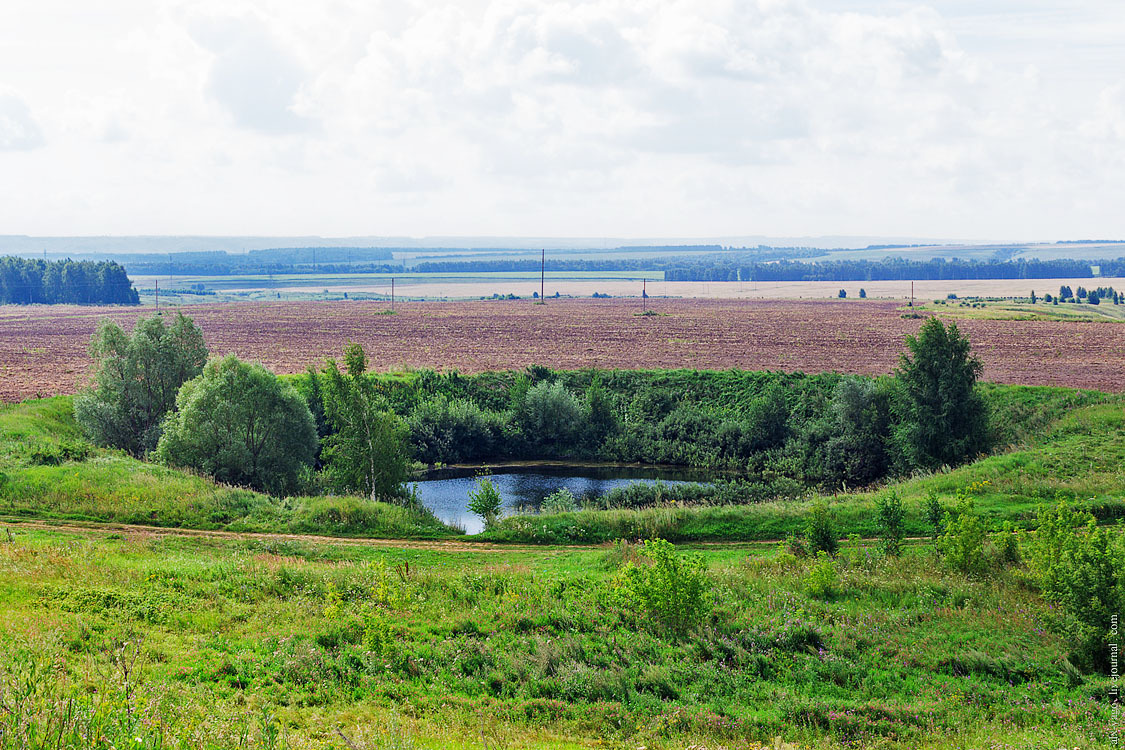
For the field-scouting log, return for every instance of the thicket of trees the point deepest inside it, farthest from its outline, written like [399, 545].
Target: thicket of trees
[239, 423]
[25, 281]
[890, 269]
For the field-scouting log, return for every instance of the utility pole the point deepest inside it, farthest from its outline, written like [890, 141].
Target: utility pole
[158, 295]
[644, 295]
[543, 276]
[912, 294]
[392, 293]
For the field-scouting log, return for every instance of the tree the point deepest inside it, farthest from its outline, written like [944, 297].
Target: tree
[367, 453]
[943, 419]
[550, 418]
[863, 294]
[601, 420]
[1065, 292]
[843, 294]
[1034, 299]
[486, 502]
[137, 379]
[239, 423]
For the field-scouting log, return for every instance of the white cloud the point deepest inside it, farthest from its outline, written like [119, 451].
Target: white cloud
[18, 129]
[642, 117]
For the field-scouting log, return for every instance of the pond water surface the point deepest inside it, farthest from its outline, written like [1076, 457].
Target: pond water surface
[523, 488]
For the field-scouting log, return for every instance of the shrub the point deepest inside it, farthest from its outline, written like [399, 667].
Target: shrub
[821, 580]
[561, 500]
[550, 418]
[892, 523]
[934, 512]
[820, 531]
[452, 431]
[137, 379]
[240, 424]
[1081, 568]
[672, 591]
[485, 501]
[1007, 544]
[962, 544]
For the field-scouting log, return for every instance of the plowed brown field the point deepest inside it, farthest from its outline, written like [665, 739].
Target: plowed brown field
[43, 349]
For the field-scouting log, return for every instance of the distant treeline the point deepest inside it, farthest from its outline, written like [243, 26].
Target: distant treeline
[892, 269]
[26, 282]
[275, 260]
[733, 256]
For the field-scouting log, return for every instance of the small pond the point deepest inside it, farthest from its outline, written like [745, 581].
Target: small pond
[446, 491]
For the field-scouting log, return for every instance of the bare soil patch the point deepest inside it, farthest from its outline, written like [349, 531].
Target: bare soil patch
[43, 348]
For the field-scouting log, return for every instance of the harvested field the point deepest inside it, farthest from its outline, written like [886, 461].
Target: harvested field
[43, 349]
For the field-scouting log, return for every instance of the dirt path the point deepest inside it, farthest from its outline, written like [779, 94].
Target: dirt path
[437, 545]
[441, 545]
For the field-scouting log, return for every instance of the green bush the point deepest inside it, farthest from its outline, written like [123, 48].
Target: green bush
[550, 419]
[453, 431]
[485, 501]
[561, 500]
[820, 530]
[673, 591]
[1081, 568]
[892, 523]
[934, 512]
[822, 580]
[962, 543]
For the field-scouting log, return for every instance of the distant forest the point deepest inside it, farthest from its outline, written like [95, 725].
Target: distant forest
[891, 269]
[26, 282]
[274, 260]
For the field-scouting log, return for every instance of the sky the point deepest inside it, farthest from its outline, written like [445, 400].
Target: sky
[970, 119]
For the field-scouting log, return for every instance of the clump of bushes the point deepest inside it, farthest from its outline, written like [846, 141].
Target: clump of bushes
[672, 591]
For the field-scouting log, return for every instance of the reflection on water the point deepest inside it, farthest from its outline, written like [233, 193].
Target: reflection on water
[524, 490]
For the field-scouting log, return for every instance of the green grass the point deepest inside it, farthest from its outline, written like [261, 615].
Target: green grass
[1007, 309]
[519, 648]
[37, 481]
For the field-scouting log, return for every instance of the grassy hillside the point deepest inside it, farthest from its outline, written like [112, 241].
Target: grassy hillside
[156, 642]
[48, 471]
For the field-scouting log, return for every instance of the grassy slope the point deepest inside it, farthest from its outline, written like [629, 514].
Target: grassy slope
[111, 486]
[523, 648]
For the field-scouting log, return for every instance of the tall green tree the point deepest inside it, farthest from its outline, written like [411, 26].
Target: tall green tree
[239, 423]
[137, 378]
[943, 416]
[367, 452]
